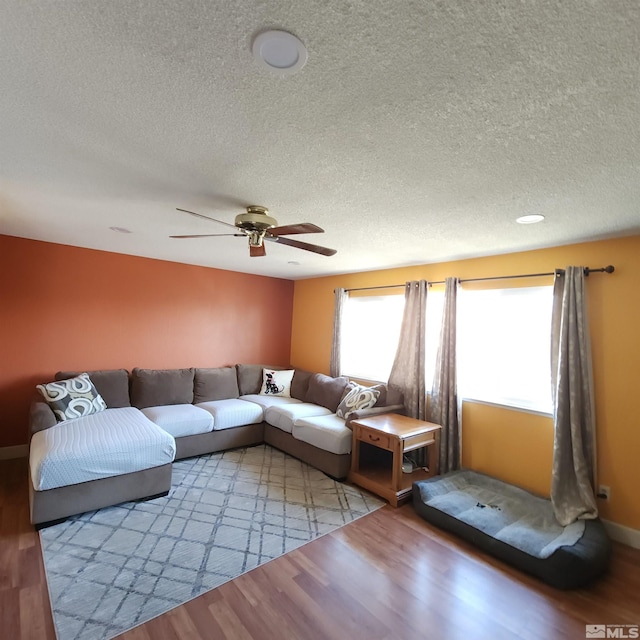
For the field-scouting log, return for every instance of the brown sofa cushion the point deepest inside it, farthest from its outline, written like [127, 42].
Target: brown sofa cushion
[156, 387]
[382, 397]
[41, 415]
[326, 391]
[111, 384]
[250, 377]
[300, 384]
[220, 383]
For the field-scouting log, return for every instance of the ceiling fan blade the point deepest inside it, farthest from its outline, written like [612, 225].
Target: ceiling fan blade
[289, 229]
[212, 235]
[199, 215]
[324, 251]
[256, 252]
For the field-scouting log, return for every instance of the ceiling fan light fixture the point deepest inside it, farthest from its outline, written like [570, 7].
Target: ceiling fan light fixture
[256, 218]
[280, 52]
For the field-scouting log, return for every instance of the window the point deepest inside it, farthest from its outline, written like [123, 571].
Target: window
[503, 346]
[371, 329]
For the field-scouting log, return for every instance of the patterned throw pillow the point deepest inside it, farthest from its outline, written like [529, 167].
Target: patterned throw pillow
[277, 383]
[356, 398]
[72, 398]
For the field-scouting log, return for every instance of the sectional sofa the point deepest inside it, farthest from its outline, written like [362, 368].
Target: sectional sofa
[148, 418]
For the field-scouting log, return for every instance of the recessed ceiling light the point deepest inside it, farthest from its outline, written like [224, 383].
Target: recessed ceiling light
[279, 51]
[120, 230]
[531, 219]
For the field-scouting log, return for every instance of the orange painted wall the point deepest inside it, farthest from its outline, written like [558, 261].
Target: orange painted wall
[66, 308]
[513, 445]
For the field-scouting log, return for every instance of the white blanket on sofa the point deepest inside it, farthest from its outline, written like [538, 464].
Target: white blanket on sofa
[109, 443]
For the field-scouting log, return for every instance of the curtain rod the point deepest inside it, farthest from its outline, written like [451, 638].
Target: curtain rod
[608, 269]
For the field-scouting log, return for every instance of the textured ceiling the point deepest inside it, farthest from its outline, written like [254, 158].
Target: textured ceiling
[417, 132]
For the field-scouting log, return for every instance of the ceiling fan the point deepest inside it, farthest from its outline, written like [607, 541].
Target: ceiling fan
[257, 225]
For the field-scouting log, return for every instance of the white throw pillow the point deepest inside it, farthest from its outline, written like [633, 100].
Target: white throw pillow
[277, 383]
[72, 398]
[357, 398]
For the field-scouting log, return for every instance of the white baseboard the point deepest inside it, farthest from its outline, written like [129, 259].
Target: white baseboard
[620, 533]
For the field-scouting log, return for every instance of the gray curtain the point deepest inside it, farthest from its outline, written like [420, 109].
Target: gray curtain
[443, 405]
[574, 450]
[407, 372]
[340, 297]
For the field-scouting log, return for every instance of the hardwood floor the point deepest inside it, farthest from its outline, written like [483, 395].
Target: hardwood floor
[387, 575]
[25, 611]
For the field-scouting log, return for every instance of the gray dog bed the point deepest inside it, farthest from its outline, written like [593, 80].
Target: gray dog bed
[515, 526]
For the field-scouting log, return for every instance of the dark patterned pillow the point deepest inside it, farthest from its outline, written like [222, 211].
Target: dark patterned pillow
[356, 398]
[72, 398]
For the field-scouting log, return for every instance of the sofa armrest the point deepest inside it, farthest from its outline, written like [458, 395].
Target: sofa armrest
[41, 417]
[374, 411]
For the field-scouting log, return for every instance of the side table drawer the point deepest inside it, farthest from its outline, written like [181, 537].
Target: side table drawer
[420, 440]
[376, 438]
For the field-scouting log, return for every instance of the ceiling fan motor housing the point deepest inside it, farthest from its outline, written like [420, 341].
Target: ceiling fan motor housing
[256, 219]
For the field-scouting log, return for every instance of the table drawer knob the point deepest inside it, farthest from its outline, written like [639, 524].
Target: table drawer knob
[376, 439]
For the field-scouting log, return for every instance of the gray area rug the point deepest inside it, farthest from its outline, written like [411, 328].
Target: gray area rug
[112, 569]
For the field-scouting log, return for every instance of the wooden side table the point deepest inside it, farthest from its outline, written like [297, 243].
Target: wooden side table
[399, 435]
